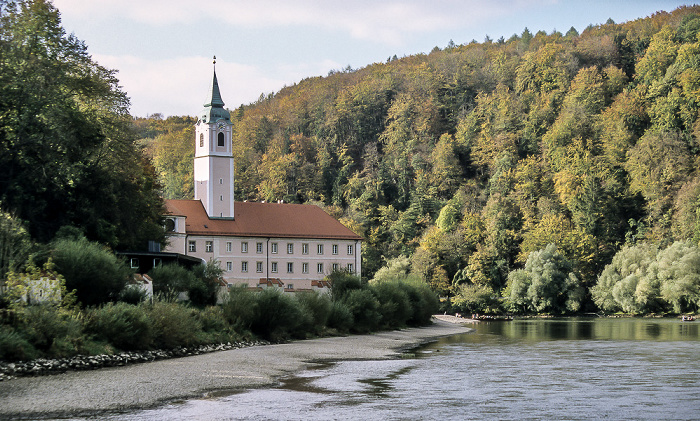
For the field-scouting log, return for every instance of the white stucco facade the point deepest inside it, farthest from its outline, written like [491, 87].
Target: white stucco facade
[296, 262]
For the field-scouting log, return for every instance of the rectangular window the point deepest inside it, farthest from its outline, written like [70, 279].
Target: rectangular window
[290, 267]
[244, 247]
[273, 248]
[335, 267]
[319, 267]
[259, 267]
[304, 268]
[192, 246]
[335, 249]
[229, 266]
[350, 249]
[290, 286]
[319, 249]
[290, 248]
[258, 248]
[209, 246]
[134, 263]
[273, 267]
[350, 268]
[244, 267]
[305, 248]
[157, 262]
[229, 246]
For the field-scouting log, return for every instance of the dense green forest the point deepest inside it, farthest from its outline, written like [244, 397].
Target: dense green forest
[468, 159]
[546, 172]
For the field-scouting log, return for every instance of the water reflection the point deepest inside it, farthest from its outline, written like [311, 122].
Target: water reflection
[597, 329]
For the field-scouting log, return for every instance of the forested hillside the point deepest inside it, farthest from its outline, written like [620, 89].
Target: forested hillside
[471, 157]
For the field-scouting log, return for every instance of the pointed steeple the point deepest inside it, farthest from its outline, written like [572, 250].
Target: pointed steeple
[214, 98]
[214, 107]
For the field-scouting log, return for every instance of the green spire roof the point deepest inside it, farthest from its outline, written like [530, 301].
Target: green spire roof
[214, 98]
[214, 107]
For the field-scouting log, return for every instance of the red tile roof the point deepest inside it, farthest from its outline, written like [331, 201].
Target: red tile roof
[271, 281]
[253, 219]
[321, 284]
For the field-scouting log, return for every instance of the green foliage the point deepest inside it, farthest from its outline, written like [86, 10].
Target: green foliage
[96, 275]
[15, 245]
[215, 327]
[174, 324]
[424, 302]
[364, 308]
[240, 308]
[14, 347]
[545, 285]
[171, 278]
[200, 285]
[55, 331]
[448, 218]
[126, 326]
[133, 294]
[678, 271]
[394, 303]
[51, 330]
[642, 279]
[397, 268]
[205, 292]
[342, 283]
[475, 299]
[617, 284]
[277, 316]
[317, 307]
[172, 154]
[340, 317]
[67, 155]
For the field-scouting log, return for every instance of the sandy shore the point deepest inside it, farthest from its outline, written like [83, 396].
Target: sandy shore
[148, 385]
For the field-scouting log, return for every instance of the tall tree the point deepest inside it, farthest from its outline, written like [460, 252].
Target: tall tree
[67, 153]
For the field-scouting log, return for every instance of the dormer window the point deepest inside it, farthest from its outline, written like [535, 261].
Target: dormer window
[221, 139]
[169, 225]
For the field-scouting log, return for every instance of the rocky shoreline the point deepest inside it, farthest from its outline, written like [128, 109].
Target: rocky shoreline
[42, 367]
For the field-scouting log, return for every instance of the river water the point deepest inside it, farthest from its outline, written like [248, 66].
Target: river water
[573, 369]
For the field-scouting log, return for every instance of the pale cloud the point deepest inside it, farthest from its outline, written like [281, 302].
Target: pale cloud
[170, 86]
[389, 22]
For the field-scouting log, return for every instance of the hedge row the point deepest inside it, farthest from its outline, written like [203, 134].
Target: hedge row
[352, 307]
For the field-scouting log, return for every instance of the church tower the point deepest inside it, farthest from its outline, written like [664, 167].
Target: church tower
[213, 159]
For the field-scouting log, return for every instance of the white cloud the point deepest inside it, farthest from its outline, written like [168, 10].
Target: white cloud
[179, 86]
[389, 21]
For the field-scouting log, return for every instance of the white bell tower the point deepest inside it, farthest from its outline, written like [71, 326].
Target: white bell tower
[213, 159]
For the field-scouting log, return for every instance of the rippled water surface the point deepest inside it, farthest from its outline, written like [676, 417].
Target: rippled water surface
[579, 369]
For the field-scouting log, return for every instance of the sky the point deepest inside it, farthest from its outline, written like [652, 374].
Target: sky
[163, 49]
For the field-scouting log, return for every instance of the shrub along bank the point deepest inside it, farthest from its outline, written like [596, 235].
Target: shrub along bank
[56, 331]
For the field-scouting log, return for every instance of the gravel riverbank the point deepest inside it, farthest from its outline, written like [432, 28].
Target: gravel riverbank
[43, 367]
[150, 384]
